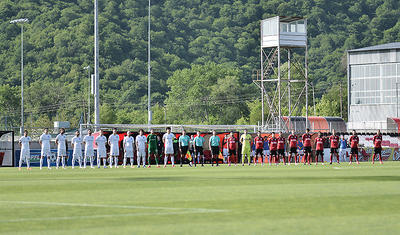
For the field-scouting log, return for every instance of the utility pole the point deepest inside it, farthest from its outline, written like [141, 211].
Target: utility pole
[22, 21]
[149, 68]
[341, 101]
[96, 68]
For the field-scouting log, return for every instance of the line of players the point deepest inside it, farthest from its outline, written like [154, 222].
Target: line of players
[179, 147]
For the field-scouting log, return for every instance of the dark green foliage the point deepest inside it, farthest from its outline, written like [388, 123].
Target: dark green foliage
[225, 33]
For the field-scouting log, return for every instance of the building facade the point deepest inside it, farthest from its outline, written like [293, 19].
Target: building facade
[373, 86]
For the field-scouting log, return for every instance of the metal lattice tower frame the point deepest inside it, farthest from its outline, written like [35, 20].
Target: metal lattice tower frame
[281, 35]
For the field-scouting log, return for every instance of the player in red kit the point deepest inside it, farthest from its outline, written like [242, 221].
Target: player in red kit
[292, 139]
[354, 147]
[273, 147]
[307, 146]
[334, 139]
[319, 148]
[231, 149]
[377, 147]
[259, 143]
[281, 148]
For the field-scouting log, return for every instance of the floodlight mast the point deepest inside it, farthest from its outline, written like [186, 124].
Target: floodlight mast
[21, 21]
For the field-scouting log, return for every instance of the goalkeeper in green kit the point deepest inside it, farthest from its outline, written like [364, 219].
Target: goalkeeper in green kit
[152, 147]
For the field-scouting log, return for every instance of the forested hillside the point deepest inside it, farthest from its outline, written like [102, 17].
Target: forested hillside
[204, 49]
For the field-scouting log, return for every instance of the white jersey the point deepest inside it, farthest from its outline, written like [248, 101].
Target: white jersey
[168, 143]
[25, 150]
[101, 146]
[45, 150]
[128, 146]
[25, 143]
[45, 139]
[141, 143]
[89, 139]
[61, 147]
[114, 146]
[77, 141]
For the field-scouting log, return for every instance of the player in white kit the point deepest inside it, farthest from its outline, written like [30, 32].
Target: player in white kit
[61, 141]
[168, 147]
[128, 148]
[76, 143]
[100, 142]
[44, 142]
[141, 141]
[89, 151]
[113, 141]
[25, 155]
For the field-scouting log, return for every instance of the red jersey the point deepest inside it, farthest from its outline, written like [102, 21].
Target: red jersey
[306, 140]
[334, 141]
[354, 141]
[292, 141]
[377, 141]
[319, 142]
[273, 143]
[232, 143]
[281, 143]
[259, 142]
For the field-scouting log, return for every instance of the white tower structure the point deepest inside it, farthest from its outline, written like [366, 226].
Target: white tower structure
[281, 35]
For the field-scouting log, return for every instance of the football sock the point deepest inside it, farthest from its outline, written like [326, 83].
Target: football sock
[41, 162]
[48, 162]
[28, 163]
[98, 162]
[131, 160]
[63, 162]
[116, 161]
[104, 161]
[58, 162]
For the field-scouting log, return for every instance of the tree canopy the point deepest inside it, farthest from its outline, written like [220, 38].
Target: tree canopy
[203, 53]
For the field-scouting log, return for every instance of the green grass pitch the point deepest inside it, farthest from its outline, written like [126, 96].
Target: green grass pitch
[338, 199]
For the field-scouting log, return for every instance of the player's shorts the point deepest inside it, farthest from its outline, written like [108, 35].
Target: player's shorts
[293, 150]
[334, 150]
[45, 153]
[25, 154]
[199, 149]
[77, 154]
[260, 152]
[114, 150]
[246, 150]
[101, 153]
[184, 150]
[153, 150]
[141, 153]
[89, 152]
[128, 153]
[281, 152]
[61, 152]
[354, 151]
[274, 152]
[307, 150]
[232, 152]
[319, 152]
[215, 150]
[169, 149]
[378, 150]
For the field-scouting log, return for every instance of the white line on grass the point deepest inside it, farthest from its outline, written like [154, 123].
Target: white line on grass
[202, 210]
[98, 216]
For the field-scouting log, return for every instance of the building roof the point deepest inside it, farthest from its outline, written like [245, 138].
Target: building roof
[388, 46]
